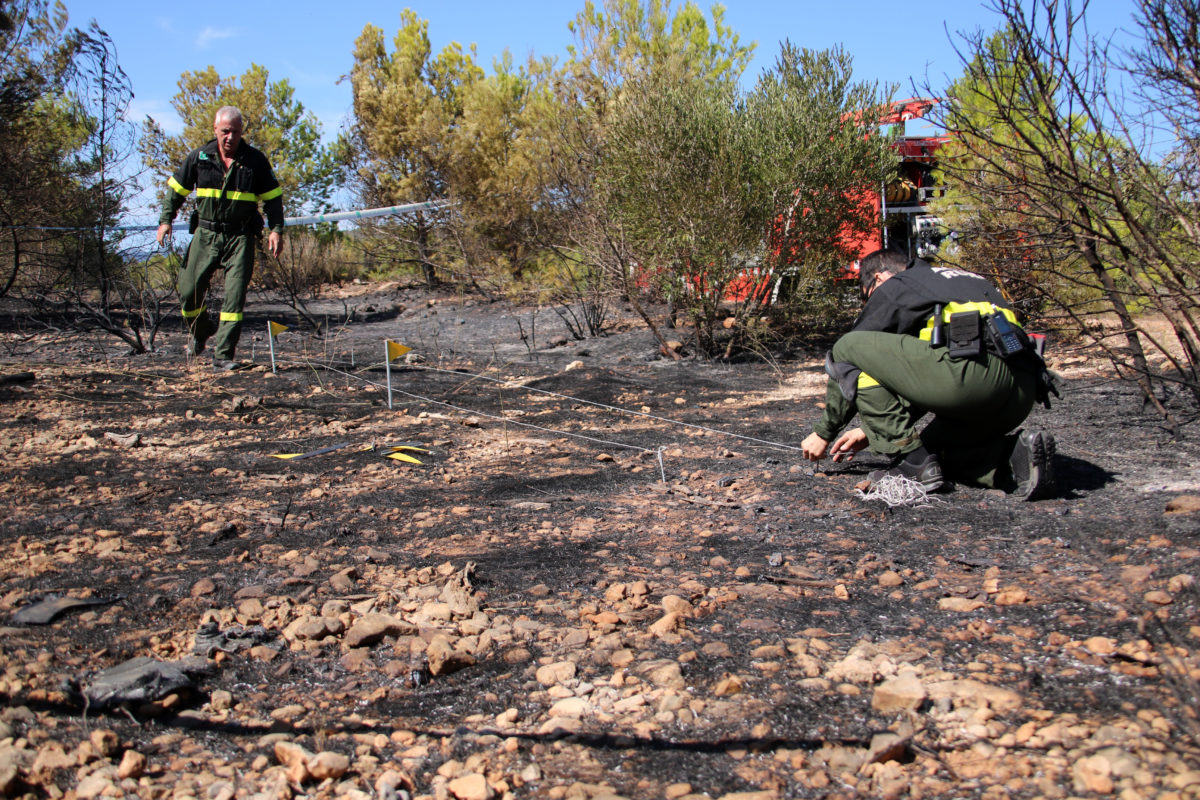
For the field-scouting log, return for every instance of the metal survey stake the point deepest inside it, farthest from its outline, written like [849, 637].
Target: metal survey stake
[391, 350]
[273, 330]
[387, 360]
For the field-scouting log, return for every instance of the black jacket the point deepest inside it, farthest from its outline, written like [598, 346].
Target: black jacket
[904, 303]
[222, 196]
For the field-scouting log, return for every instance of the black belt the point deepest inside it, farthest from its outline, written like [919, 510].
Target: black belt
[227, 227]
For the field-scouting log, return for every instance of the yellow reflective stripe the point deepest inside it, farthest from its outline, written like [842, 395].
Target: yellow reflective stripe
[177, 187]
[190, 314]
[231, 316]
[248, 197]
[865, 381]
[271, 195]
[984, 308]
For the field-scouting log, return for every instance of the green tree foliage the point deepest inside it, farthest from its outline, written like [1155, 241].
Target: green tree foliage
[37, 134]
[407, 105]
[624, 39]
[1006, 238]
[636, 164]
[494, 170]
[624, 52]
[1060, 189]
[820, 158]
[64, 145]
[275, 122]
[711, 185]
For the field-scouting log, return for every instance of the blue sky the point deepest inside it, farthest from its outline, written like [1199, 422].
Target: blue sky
[310, 43]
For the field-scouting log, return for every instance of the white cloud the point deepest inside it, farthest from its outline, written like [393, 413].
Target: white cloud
[210, 34]
[158, 110]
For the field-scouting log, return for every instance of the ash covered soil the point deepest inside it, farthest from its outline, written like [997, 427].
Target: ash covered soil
[533, 611]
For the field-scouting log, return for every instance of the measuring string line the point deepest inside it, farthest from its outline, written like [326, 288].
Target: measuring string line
[312, 219]
[619, 409]
[484, 414]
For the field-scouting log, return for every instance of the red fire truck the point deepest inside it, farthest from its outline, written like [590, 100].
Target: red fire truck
[902, 207]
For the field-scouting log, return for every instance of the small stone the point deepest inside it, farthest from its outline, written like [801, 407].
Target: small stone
[1093, 774]
[975, 693]
[470, 787]
[370, 628]
[289, 754]
[963, 604]
[1178, 583]
[1158, 597]
[717, 650]
[1183, 504]
[887, 746]
[133, 765]
[344, 581]
[668, 623]
[390, 781]
[356, 660]
[890, 579]
[94, 785]
[51, 756]
[728, 685]
[203, 586]
[571, 707]
[444, 659]
[1012, 596]
[902, 693]
[664, 673]
[328, 764]
[1101, 645]
[674, 604]
[551, 674]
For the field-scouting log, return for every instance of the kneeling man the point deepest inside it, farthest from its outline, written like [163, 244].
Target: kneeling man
[940, 341]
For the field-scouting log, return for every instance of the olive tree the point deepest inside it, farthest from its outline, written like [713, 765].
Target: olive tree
[716, 188]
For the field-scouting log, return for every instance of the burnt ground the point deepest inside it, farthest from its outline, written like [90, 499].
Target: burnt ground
[533, 611]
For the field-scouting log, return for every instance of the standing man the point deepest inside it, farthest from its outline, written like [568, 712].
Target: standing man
[941, 341]
[230, 178]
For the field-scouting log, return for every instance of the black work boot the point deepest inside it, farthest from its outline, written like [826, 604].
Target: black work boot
[1032, 465]
[201, 331]
[920, 465]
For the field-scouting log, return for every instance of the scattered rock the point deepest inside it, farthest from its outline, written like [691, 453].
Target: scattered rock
[470, 787]
[905, 692]
[133, 765]
[371, 628]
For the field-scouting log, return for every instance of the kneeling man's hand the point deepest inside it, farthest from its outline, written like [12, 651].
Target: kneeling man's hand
[848, 444]
[814, 447]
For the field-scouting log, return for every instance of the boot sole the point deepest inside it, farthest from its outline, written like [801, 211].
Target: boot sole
[1041, 448]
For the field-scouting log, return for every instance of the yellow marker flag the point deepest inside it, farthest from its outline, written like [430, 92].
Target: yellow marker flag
[276, 328]
[287, 455]
[394, 350]
[398, 456]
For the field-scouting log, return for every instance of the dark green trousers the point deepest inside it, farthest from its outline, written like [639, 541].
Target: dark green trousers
[208, 252]
[974, 403]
